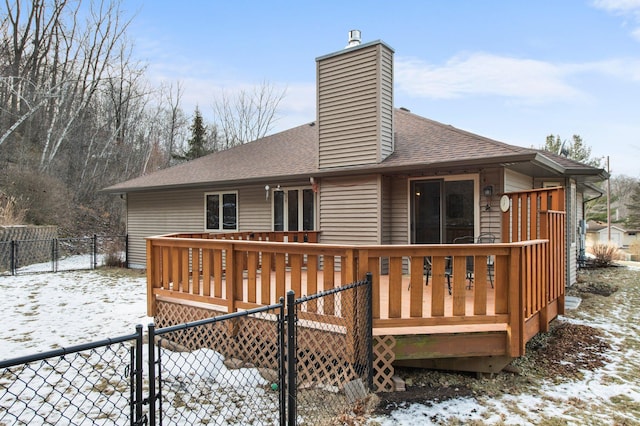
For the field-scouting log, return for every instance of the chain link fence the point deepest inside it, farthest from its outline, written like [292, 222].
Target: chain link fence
[304, 362]
[92, 384]
[333, 358]
[220, 371]
[62, 254]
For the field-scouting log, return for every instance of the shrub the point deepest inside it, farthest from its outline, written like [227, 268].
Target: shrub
[605, 254]
[10, 213]
[634, 249]
[114, 256]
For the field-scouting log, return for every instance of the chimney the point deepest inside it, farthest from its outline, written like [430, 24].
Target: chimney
[355, 104]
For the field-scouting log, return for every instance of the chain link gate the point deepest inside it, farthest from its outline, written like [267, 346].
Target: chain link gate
[96, 383]
[300, 363]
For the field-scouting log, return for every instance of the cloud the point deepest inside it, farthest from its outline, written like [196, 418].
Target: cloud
[619, 6]
[628, 9]
[525, 80]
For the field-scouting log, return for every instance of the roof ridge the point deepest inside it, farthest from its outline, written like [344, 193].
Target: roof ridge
[464, 132]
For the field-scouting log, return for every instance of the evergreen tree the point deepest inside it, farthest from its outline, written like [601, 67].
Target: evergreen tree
[576, 149]
[633, 216]
[197, 143]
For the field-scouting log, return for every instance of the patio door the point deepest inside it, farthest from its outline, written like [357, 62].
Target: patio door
[293, 210]
[442, 210]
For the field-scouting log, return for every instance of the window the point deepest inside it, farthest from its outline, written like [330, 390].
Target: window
[221, 211]
[293, 210]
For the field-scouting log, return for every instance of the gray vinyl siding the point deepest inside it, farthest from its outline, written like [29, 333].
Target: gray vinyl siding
[491, 220]
[158, 213]
[514, 182]
[254, 209]
[574, 212]
[386, 103]
[400, 211]
[166, 212]
[349, 210]
[386, 208]
[355, 106]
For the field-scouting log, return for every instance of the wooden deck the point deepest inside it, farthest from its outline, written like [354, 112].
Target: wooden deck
[477, 328]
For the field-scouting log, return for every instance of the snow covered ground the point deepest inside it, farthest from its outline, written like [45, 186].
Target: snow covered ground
[46, 311]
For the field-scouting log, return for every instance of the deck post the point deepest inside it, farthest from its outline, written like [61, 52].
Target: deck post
[152, 276]
[516, 322]
[230, 281]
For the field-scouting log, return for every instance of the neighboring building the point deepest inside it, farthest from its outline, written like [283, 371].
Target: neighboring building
[598, 232]
[363, 172]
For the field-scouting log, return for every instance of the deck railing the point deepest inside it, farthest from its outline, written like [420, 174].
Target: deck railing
[519, 285]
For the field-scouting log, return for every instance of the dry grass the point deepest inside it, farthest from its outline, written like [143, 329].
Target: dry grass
[10, 214]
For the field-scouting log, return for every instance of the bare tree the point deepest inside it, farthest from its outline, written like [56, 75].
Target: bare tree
[248, 115]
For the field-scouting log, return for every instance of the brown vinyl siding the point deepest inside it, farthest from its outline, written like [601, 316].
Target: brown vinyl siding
[349, 210]
[355, 106]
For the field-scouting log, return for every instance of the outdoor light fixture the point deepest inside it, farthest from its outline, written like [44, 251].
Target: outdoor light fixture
[266, 189]
[488, 192]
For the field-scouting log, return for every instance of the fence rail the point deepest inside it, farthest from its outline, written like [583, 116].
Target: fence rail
[62, 254]
[263, 366]
[95, 383]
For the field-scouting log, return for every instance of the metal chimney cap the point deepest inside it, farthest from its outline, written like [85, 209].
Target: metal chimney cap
[355, 37]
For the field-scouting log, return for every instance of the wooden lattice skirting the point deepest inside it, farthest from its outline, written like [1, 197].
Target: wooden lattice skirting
[322, 355]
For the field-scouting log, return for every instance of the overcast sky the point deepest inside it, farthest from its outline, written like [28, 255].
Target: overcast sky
[515, 71]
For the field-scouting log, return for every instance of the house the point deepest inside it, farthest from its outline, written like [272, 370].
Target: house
[384, 191]
[598, 232]
[363, 172]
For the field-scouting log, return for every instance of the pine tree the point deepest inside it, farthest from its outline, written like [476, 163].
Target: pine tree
[633, 217]
[576, 149]
[197, 143]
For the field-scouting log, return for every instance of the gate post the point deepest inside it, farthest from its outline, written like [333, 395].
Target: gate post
[291, 359]
[282, 364]
[152, 374]
[138, 376]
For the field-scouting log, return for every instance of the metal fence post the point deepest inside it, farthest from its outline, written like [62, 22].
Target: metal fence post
[54, 255]
[152, 375]
[95, 251]
[14, 257]
[291, 359]
[138, 374]
[282, 365]
[126, 251]
[369, 328]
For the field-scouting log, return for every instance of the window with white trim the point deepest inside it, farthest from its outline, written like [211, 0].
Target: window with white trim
[221, 211]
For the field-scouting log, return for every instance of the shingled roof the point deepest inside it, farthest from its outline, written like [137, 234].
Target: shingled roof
[293, 153]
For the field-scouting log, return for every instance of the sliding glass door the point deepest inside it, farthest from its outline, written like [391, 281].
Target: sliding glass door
[442, 210]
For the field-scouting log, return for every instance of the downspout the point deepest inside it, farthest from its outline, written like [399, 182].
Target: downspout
[583, 243]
